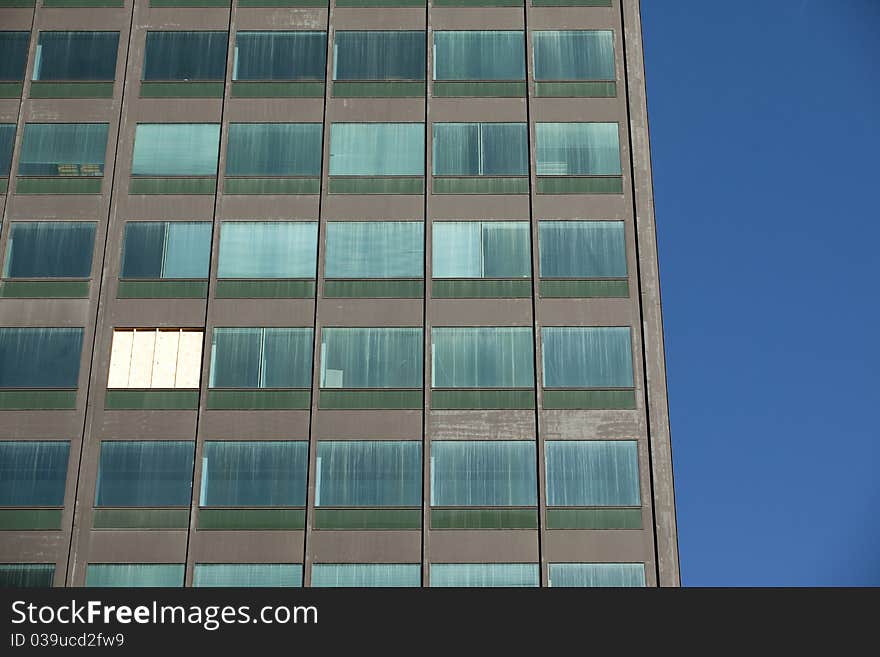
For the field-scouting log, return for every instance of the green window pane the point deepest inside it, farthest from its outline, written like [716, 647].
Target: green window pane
[254, 473]
[40, 357]
[63, 149]
[369, 473]
[145, 473]
[274, 149]
[261, 358]
[250, 575]
[363, 575]
[32, 472]
[587, 357]
[479, 55]
[569, 55]
[183, 56]
[485, 574]
[483, 473]
[379, 55]
[258, 249]
[280, 56]
[371, 358]
[582, 249]
[49, 249]
[128, 575]
[481, 149]
[377, 149]
[578, 149]
[375, 249]
[176, 149]
[592, 473]
[76, 56]
[597, 574]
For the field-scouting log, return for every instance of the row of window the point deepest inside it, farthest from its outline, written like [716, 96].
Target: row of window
[289, 56]
[355, 250]
[463, 473]
[369, 358]
[336, 575]
[295, 149]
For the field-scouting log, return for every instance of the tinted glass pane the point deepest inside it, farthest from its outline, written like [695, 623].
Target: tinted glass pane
[128, 575]
[185, 56]
[63, 149]
[475, 55]
[258, 249]
[287, 358]
[49, 249]
[483, 473]
[261, 358]
[280, 56]
[481, 249]
[40, 357]
[377, 149]
[247, 574]
[371, 358]
[176, 149]
[481, 149]
[33, 473]
[379, 55]
[485, 357]
[369, 473]
[76, 56]
[597, 574]
[236, 357]
[592, 473]
[570, 55]
[143, 473]
[274, 149]
[577, 149]
[587, 357]
[13, 54]
[155, 250]
[582, 249]
[7, 142]
[375, 249]
[254, 473]
[26, 575]
[143, 249]
[484, 574]
[362, 575]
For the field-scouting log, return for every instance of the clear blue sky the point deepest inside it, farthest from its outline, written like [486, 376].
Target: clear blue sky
[765, 126]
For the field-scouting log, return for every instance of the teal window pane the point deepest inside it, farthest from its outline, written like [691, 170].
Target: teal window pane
[582, 249]
[280, 56]
[260, 249]
[49, 249]
[479, 55]
[40, 357]
[362, 575]
[597, 574]
[577, 149]
[485, 574]
[592, 473]
[587, 357]
[369, 473]
[250, 575]
[375, 249]
[377, 149]
[131, 575]
[176, 149]
[7, 142]
[145, 473]
[483, 473]
[13, 55]
[481, 149]
[261, 358]
[379, 55]
[33, 472]
[482, 357]
[274, 149]
[76, 56]
[26, 575]
[250, 473]
[157, 250]
[63, 149]
[371, 358]
[569, 55]
[481, 249]
[183, 55]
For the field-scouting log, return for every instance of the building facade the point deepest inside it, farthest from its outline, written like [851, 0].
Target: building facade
[359, 294]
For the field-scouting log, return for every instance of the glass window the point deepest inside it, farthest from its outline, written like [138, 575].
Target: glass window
[577, 149]
[263, 249]
[145, 473]
[481, 249]
[371, 358]
[375, 249]
[482, 357]
[369, 473]
[26, 575]
[362, 575]
[129, 575]
[574, 55]
[176, 149]
[261, 358]
[163, 249]
[76, 56]
[251, 575]
[7, 142]
[379, 55]
[40, 357]
[479, 55]
[155, 358]
[33, 472]
[280, 56]
[597, 574]
[485, 574]
[592, 473]
[587, 357]
[582, 249]
[63, 149]
[13, 55]
[274, 149]
[49, 249]
[481, 149]
[185, 56]
[483, 473]
[249, 473]
[377, 149]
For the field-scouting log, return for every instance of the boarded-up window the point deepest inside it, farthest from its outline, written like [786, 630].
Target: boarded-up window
[155, 358]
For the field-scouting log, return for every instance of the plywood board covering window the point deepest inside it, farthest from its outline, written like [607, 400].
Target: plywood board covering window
[155, 358]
